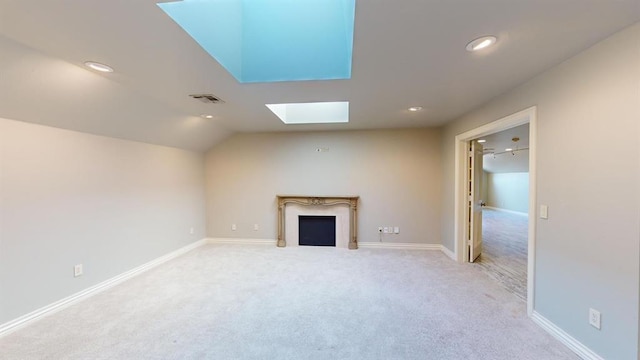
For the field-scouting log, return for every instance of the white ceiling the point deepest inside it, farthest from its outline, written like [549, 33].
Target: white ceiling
[406, 53]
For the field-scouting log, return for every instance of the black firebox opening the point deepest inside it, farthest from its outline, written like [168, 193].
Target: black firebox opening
[317, 230]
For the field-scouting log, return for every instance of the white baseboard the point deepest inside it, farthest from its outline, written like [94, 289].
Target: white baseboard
[240, 241]
[568, 340]
[448, 252]
[408, 246]
[364, 245]
[33, 316]
[507, 210]
[405, 246]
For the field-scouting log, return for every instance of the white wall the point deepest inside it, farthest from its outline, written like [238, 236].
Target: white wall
[509, 191]
[588, 171]
[396, 173]
[68, 198]
[484, 189]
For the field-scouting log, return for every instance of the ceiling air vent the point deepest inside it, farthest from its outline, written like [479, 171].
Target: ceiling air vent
[207, 98]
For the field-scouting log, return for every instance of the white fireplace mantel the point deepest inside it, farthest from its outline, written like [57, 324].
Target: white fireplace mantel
[351, 201]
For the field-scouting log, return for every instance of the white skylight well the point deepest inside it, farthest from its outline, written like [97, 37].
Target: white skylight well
[272, 40]
[312, 113]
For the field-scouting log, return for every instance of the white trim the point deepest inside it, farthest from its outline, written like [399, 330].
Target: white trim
[448, 252]
[405, 246]
[533, 200]
[525, 116]
[363, 245]
[241, 241]
[507, 211]
[38, 314]
[576, 346]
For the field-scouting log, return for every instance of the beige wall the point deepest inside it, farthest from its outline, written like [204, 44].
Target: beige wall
[68, 198]
[588, 159]
[397, 174]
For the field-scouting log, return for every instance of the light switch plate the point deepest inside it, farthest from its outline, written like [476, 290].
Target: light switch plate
[594, 318]
[544, 212]
[77, 270]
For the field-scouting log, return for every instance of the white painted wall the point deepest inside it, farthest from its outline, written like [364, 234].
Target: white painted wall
[508, 191]
[396, 173]
[68, 198]
[588, 171]
[484, 189]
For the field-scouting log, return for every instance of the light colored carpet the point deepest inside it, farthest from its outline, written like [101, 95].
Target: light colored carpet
[504, 250]
[259, 302]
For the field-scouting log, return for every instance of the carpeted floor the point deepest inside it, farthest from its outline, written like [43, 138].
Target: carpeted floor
[504, 250]
[259, 302]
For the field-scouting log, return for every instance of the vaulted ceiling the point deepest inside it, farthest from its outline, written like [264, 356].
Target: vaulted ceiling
[405, 53]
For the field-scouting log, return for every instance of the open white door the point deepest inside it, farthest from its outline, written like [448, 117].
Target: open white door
[475, 201]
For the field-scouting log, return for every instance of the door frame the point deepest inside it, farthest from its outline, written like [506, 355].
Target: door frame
[475, 157]
[461, 251]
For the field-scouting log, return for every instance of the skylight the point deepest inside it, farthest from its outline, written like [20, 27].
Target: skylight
[272, 40]
[312, 113]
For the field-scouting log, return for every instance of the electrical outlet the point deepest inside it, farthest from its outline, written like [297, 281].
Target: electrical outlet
[191, 231]
[594, 318]
[234, 227]
[256, 227]
[385, 230]
[77, 270]
[396, 230]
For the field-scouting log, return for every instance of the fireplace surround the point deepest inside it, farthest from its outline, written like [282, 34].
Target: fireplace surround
[323, 201]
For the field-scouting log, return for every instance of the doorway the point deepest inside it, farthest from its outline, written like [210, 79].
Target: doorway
[504, 195]
[462, 175]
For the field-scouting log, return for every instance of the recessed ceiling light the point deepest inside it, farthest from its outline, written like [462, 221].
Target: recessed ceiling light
[482, 141]
[481, 43]
[508, 149]
[206, 116]
[98, 66]
[415, 108]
